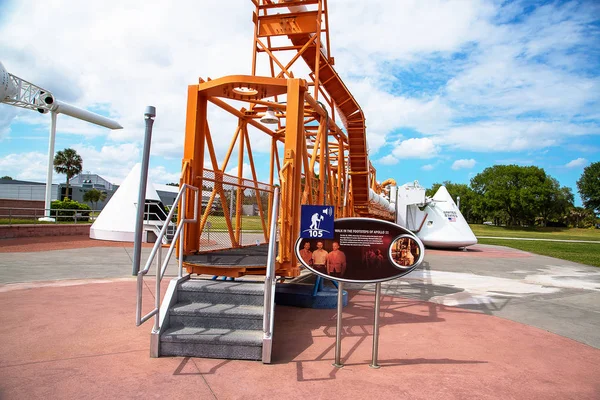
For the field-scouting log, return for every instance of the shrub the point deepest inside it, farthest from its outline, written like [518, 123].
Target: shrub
[67, 208]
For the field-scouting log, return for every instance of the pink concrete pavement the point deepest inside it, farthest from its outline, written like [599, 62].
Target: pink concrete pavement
[80, 341]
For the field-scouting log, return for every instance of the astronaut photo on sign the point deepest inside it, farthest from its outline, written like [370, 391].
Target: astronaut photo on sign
[336, 261]
[402, 250]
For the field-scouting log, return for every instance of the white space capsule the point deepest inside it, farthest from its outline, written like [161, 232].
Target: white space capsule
[437, 221]
[445, 226]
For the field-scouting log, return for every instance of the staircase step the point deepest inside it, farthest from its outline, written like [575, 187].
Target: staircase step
[221, 292]
[212, 343]
[226, 316]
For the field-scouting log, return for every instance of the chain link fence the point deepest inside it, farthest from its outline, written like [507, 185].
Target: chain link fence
[235, 212]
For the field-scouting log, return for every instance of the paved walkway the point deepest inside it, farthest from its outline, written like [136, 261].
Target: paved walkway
[68, 334]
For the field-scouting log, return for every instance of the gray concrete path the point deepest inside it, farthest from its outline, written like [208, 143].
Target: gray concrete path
[559, 296]
[555, 295]
[84, 263]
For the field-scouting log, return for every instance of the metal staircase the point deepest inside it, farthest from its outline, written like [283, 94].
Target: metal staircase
[216, 319]
[209, 318]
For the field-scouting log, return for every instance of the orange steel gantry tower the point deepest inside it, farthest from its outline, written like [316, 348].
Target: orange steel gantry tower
[312, 158]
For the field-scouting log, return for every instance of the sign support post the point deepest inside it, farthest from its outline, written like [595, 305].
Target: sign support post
[376, 326]
[338, 330]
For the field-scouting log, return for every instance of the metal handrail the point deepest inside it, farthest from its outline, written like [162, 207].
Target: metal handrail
[270, 279]
[158, 215]
[157, 249]
[41, 212]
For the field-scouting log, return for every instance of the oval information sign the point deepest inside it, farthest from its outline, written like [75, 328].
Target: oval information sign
[362, 250]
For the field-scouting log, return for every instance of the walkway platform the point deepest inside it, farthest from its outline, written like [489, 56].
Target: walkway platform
[249, 256]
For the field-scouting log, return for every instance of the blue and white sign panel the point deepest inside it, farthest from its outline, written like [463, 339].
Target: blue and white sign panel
[316, 222]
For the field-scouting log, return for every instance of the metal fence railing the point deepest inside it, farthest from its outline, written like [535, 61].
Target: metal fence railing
[24, 215]
[161, 264]
[235, 212]
[270, 281]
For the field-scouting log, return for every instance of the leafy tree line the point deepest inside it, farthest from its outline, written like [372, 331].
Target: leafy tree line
[516, 195]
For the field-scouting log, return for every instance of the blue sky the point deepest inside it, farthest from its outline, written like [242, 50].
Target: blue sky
[448, 87]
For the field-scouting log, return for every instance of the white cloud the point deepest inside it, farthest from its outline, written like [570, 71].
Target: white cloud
[6, 117]
[388, 160]
[510, 135]
[577, 163]
[415, 148]
[160, 175]
[127, 57]
[460, 164]
[427, 167]
[112, 162]
[30, 166]
[387, 112]
[381, 28]
[460, 75]
[246, 171]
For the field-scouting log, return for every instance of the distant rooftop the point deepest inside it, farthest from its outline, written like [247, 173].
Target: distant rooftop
[17, 182]
[91, 180]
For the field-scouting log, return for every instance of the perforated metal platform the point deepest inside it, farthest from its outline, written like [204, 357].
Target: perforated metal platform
[251, 256]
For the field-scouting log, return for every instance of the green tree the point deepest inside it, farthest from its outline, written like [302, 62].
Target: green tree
[7, 178]
[579, 217]
[514, 193]
[469, 200]
[589, 187]
[68, 162]
[551, 201]
[94, 196]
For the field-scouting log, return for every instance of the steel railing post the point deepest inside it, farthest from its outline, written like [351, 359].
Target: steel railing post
[157, 295]
[138, 311]
[181, 233]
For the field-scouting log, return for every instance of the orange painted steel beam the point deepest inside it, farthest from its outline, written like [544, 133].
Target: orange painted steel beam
[193, 153]
[290, 176]
[307, 129]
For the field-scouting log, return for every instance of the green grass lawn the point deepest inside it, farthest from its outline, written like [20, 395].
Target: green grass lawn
[584, 253]
[249, 223]
[541, 233]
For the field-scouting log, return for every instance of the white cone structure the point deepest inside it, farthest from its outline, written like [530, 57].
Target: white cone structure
[117, 220]
[445, 226]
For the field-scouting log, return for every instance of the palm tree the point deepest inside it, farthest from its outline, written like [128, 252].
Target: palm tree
[94, 196]
[68, 162]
